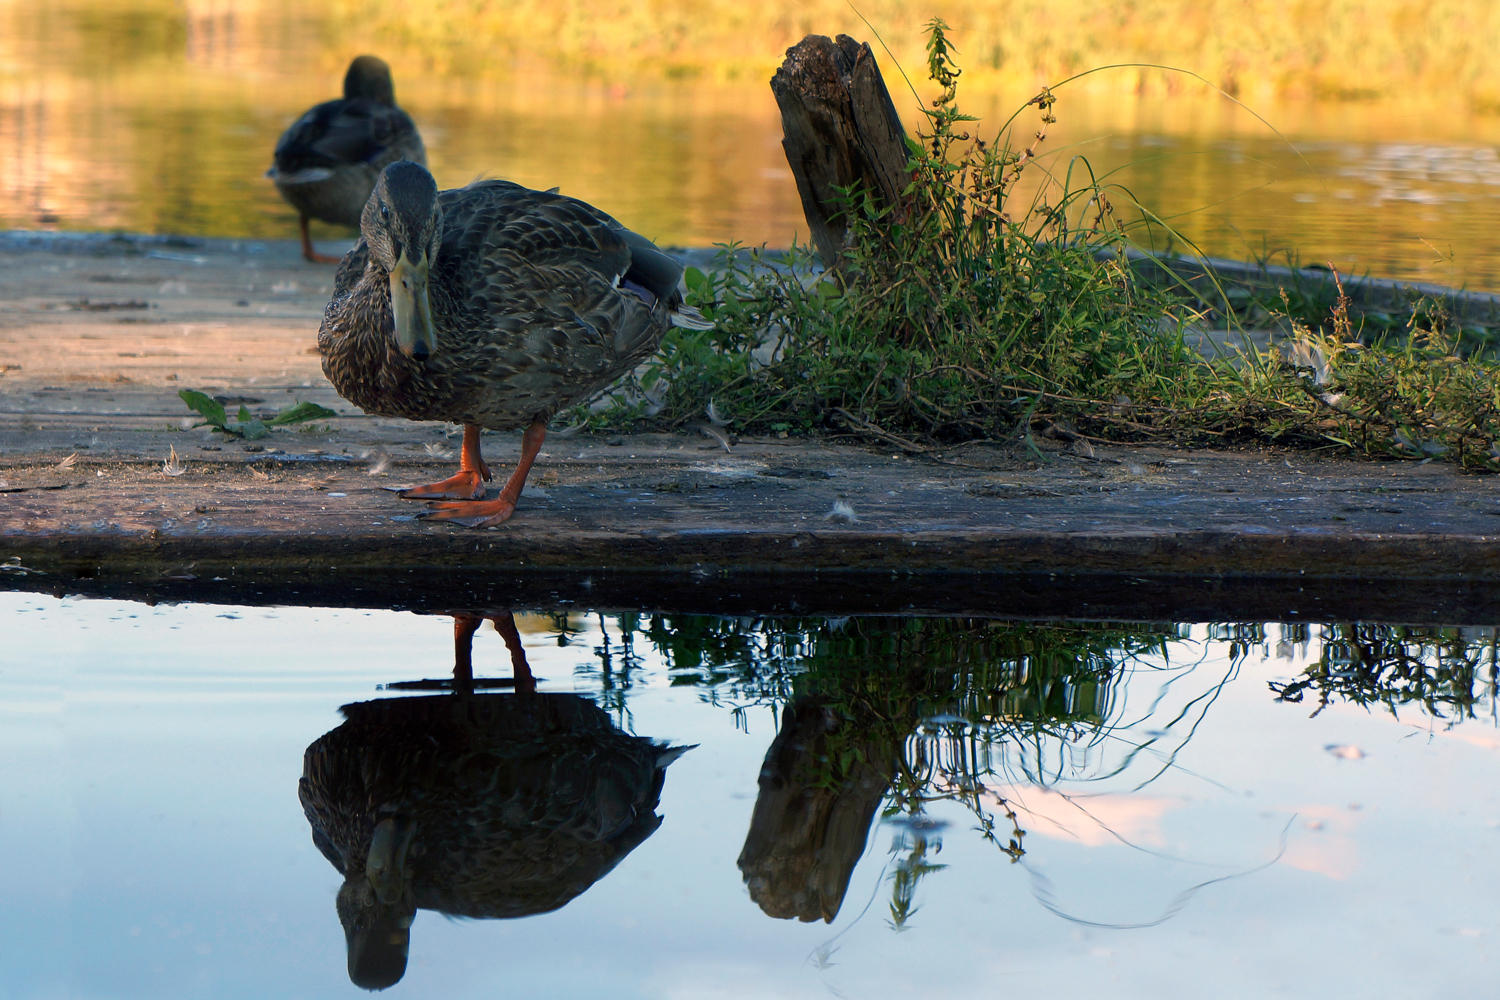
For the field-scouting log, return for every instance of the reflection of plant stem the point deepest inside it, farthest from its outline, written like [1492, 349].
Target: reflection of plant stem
[1041, 888]
[910, 871]
[1017, 835]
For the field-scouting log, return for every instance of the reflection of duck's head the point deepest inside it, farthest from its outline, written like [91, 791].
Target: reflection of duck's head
[474, 806]
[377, 932]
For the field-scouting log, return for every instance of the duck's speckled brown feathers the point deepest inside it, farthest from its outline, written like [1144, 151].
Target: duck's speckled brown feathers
[538, 301]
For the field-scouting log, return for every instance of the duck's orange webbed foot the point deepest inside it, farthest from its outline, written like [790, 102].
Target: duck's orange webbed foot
[488, 513]
[468, 484]
[471, 513]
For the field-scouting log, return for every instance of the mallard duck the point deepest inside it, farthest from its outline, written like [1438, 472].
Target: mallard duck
[327, 162]
[491, 305]
[474, 806]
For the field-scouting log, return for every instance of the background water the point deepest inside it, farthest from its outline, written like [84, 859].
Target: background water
[161, 118]
[1186, 833]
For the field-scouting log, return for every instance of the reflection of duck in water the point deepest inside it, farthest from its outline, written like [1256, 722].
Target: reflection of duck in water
[474, 806]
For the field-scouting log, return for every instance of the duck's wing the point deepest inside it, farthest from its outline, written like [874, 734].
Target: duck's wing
[548, 229]
[343, 132]
[492, 219]
[544, 281]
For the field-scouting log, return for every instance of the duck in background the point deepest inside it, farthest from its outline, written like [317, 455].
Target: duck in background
[495, 306]
[327, 163]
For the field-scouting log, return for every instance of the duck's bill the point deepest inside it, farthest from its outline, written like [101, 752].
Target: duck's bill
[411, 307]
[385, 865]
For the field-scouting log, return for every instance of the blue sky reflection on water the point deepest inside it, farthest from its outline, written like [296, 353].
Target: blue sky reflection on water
[148, 809]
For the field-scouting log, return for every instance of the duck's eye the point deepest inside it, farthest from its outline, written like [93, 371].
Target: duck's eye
[385, 214]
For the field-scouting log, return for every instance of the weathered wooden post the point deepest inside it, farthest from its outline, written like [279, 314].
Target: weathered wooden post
[839, 128]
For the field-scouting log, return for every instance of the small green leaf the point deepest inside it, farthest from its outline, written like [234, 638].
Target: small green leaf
[694, 278]
[299, 412]
[252, 430]
[206, 406]
[244, 415]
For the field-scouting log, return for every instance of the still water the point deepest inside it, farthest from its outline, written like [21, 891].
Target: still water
[191, 795]
[161, 118]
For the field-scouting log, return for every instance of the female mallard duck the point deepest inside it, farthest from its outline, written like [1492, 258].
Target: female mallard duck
[491, 306]
[488, 806]
[327, 162]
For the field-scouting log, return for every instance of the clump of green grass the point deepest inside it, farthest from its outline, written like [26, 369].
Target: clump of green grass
[950, 315]
[967, 312]
[1408, 394]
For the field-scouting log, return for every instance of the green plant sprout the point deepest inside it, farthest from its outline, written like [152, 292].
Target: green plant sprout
[245, 425]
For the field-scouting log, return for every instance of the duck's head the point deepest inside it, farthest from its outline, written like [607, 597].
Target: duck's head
[369, 79]
[402, 226]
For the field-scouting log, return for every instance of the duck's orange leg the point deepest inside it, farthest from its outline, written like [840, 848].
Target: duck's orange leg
[487, 513]
[506, 625]
[311, 254]
[468, 484]
[464, 627]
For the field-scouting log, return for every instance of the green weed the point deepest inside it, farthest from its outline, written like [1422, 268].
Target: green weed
[246, 425]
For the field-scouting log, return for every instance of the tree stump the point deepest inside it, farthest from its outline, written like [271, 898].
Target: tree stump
[839, 128]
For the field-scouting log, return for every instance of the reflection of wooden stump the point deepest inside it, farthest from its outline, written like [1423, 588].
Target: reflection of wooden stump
[839, 128]
[812, 817]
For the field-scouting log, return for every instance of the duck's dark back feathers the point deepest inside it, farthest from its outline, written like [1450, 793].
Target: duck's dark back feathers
[336, 133]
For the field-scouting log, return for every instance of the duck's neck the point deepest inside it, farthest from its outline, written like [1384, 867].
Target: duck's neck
[370, 306]
[359, 354]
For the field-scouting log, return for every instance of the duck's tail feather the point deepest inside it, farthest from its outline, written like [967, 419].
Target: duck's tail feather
[690, 319]
[666, 755]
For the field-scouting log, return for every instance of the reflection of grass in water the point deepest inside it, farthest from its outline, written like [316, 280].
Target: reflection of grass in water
[1030, 677]
[914, 711]
[1446, 673]
[954, 709]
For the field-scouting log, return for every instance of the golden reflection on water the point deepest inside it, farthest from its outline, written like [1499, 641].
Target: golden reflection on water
[157, 116]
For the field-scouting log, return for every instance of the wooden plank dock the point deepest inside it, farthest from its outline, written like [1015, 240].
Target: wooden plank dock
[98, 334]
